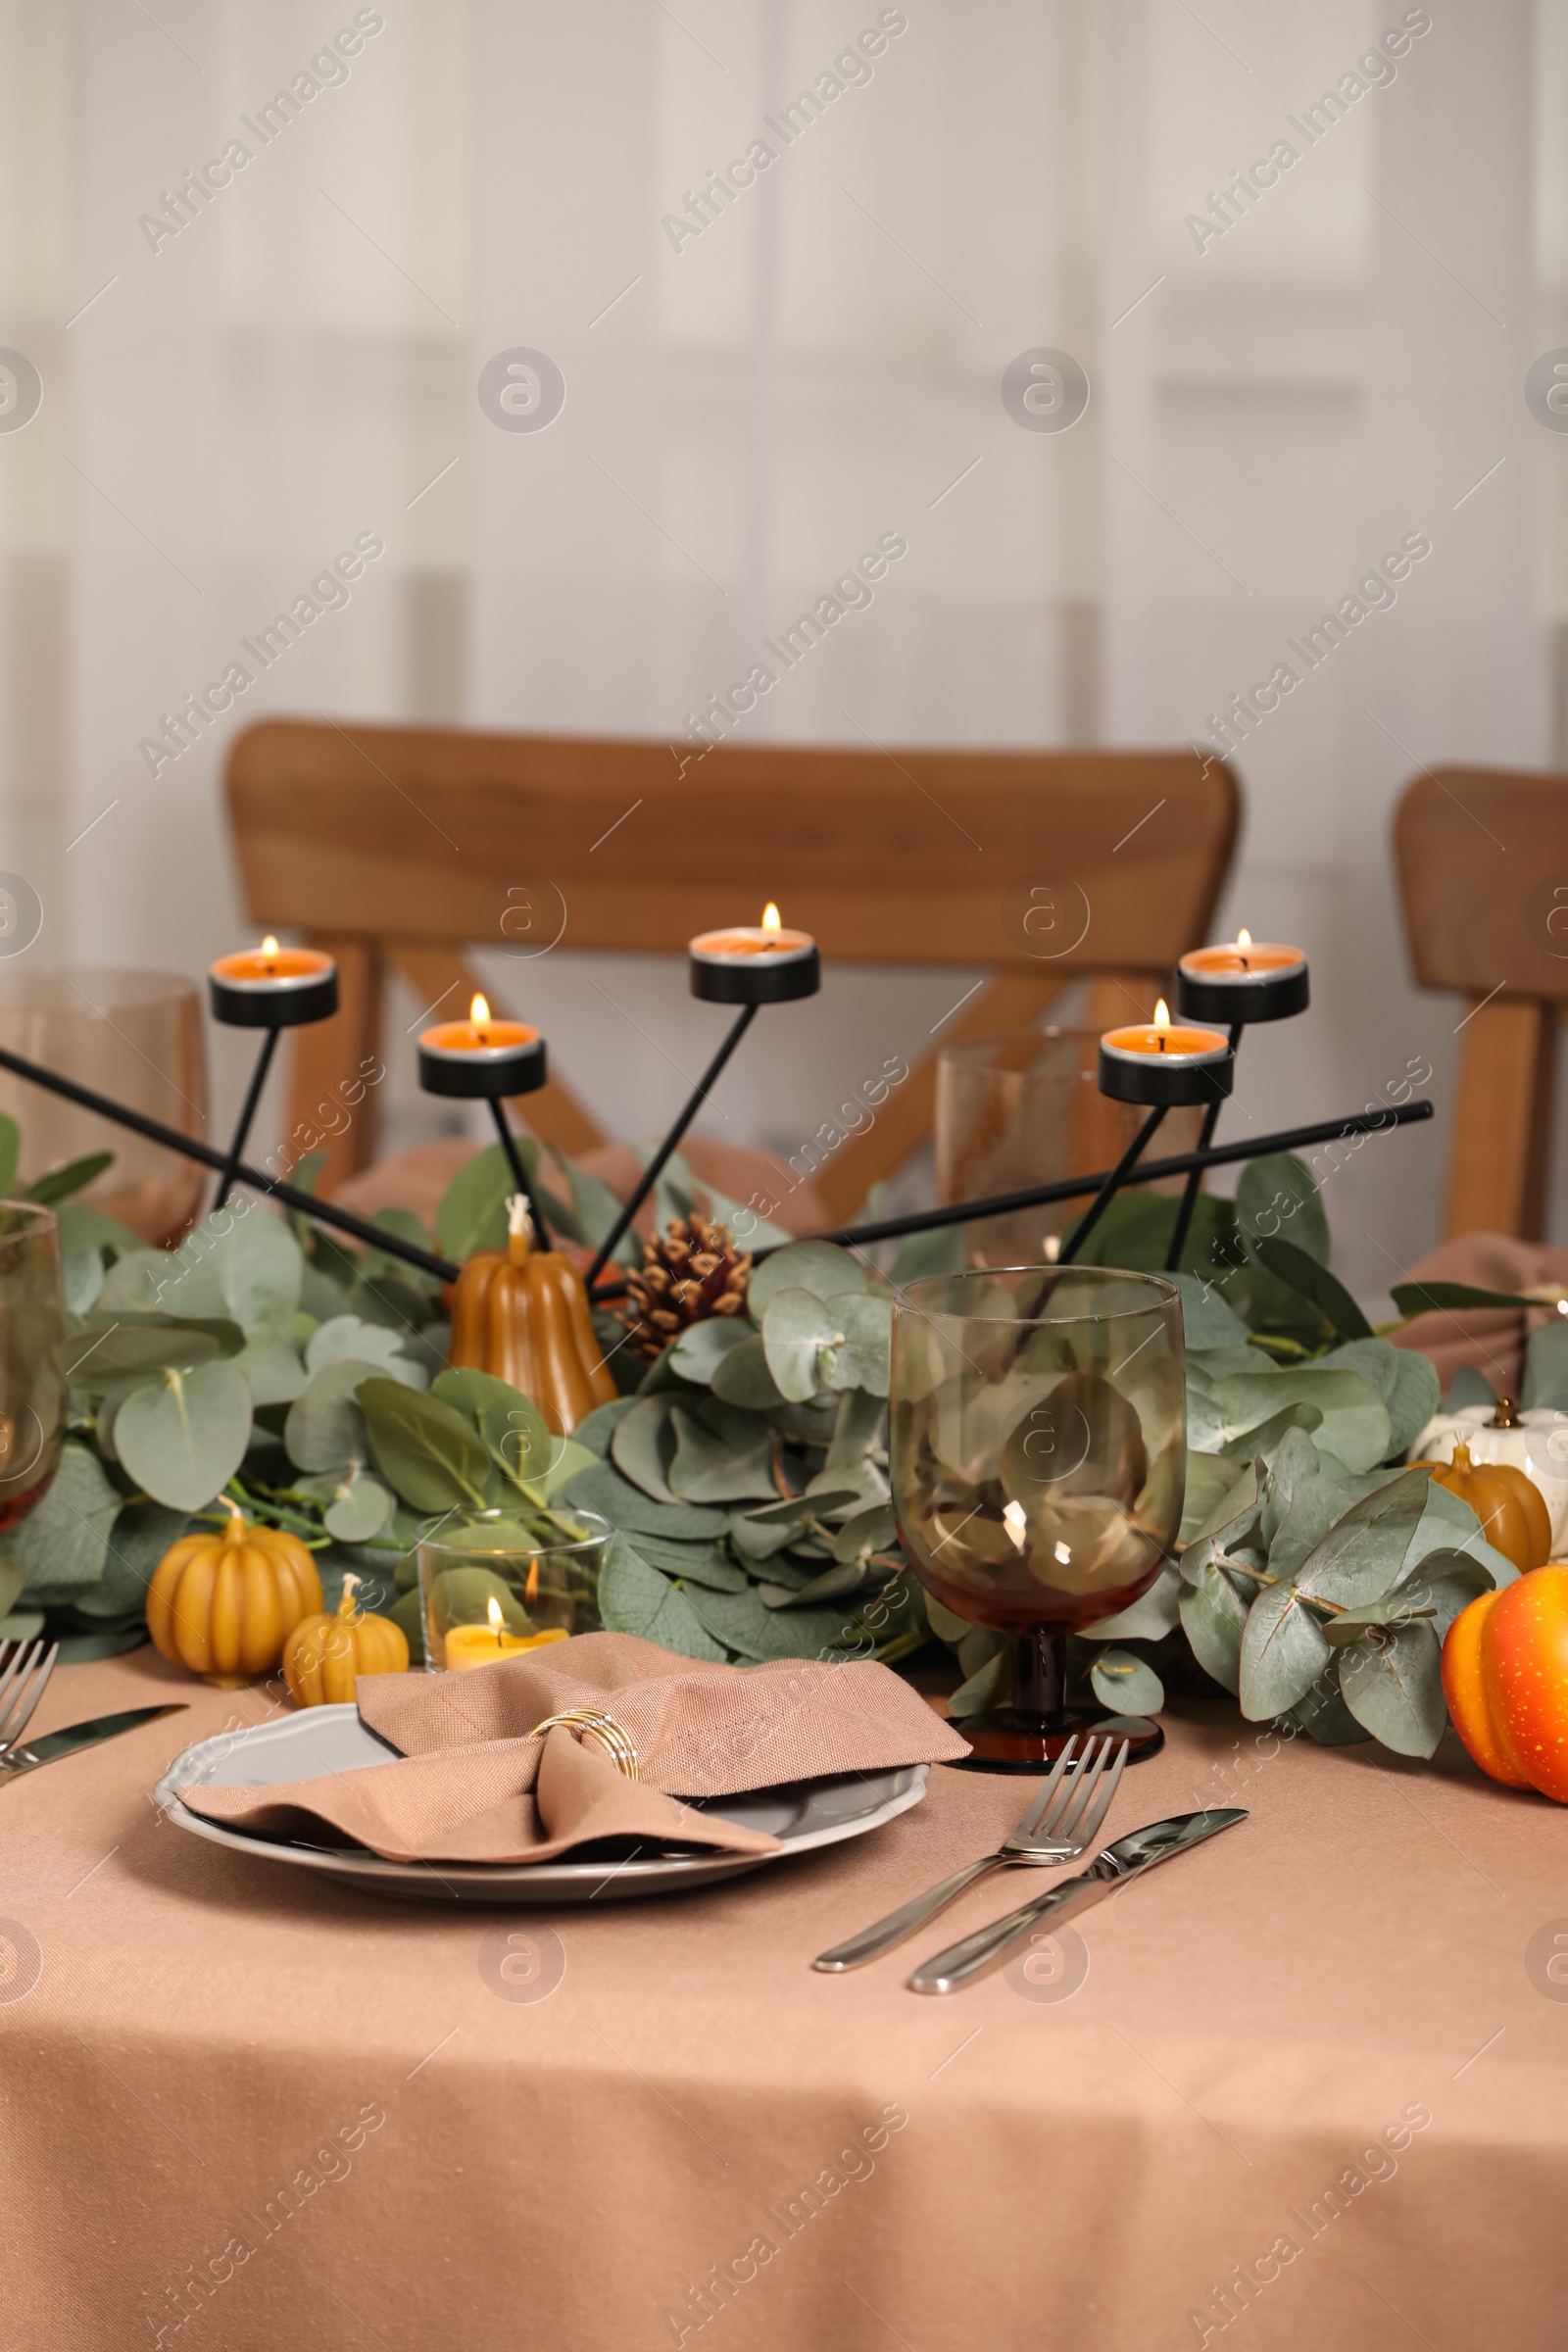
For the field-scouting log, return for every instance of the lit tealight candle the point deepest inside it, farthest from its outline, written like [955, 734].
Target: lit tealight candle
[482, 1056]
[273, 987]
[1156, 1063]
[1247, 980]
[754, 963]
[469, 1645]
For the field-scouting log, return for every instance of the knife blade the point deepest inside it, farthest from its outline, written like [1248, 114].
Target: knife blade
[34, 1752]
[1116, 1865]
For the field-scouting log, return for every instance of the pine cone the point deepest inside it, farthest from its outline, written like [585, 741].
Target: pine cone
[688, 1272]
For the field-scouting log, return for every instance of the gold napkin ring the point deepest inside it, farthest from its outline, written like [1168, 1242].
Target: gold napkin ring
[602, 1728]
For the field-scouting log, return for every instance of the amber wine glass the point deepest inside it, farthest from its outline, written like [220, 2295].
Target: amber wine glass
[34, 1390]
[1039, 1458]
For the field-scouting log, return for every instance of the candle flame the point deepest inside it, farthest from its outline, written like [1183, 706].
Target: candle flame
[480, 1013]
[1162, 1014]
[770, 917]
[269, 946]
[1243, 938]
[531, 1591]
[493, 1608]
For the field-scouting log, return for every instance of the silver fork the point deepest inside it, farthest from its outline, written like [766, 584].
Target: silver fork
[1058, 1827]
[21, 1685]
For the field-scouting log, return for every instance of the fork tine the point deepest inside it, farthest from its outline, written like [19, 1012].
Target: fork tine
[1089, 1830]
[1085, 1783]
[22, 1650]
[20, 1712]
[1046, 1801]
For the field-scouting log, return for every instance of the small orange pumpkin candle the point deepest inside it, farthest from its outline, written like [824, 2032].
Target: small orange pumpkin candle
[482, 1056]
[1247, 980]
[272, 988]
[1156, 1063]
[754, 963]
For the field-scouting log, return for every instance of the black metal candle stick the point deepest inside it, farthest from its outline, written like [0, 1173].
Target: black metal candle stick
[1253, 981]
[748, 968]
[275, 989]
[481, 1060]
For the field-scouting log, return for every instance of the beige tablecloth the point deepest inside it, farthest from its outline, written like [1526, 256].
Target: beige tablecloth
[1329, 2048]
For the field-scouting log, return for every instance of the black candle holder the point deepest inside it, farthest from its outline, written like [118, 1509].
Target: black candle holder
[760, 974]
[1238, 996]
[274, 1000]
[489, 1074]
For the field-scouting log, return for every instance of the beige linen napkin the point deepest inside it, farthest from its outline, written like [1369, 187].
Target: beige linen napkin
[472, 1787]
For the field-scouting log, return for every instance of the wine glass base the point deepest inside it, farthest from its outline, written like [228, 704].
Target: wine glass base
[1017, 1740]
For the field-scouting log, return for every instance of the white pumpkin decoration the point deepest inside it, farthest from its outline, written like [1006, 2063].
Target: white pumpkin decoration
[1534, 1442]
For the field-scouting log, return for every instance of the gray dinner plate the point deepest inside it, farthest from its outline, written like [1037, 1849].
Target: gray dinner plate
[803, 1815]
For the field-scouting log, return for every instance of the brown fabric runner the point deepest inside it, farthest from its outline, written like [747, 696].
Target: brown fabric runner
[472, 1787]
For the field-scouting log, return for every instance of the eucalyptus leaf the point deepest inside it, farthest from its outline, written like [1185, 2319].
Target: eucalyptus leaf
[708, 1469]
[58, 1184]
[61, 1547]
[703, 1347]
[742, 1377]
[511, 1426]
[1394, 1686]
[1148, 1618]
[841, 1582]
[696, 1563]
[797, 1327]
[598, 1428]
[1545, 1380]
[1355, 1424]
[642, 1446]
[472, 1214]
[1446, 1582]
[136, 1341]
[367, 1344]
[1283, 1654]
[359, 1510]
[1361, 1554]
[1316, 1505]
[1295, 1458]
[1126, 1683]
[868, 1531]
[1261, 1440]
[860, 1356]
[325, 1428]
[989, 1686]
[1324, 1715]
[741, 1622]
[1214, 1621]
[421, 1448]
[602, 1488]
[10, 1155]
[1205, 1319]
[634, 1598]
[939, 1252]
[1300, 1271]
[255, 1262]
[184, 1437]
[83, 1275]
[820, 1267]
[83, 1227]
[1278, 1195]
[274, 1370]
[1414, 1298]
[1406, 1382]
[138, 1540]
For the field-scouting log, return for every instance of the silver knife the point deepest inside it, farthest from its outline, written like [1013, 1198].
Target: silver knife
[962, 1963]
[34, 1752]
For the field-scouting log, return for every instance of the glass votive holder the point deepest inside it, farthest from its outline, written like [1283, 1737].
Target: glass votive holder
[489, 1589]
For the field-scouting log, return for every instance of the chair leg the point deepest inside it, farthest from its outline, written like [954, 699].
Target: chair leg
[333, 1092]
[1502, 1121]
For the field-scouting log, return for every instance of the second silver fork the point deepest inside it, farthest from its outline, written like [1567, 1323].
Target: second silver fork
[1058, 1827]
[21, 1686]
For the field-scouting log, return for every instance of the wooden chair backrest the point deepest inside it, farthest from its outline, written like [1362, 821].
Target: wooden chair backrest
[1483, 863]
[396, 846]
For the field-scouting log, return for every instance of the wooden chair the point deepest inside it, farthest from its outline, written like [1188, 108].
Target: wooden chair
[395, 847]
[1483, 860]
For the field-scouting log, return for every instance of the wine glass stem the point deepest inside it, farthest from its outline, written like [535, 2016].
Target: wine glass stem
[1040, 1674]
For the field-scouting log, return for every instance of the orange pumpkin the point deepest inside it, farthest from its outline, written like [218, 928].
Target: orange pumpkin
[324, 1656]
[1505, 1679]
[224, 1604]
[523, 1315]
[1510, 1506]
